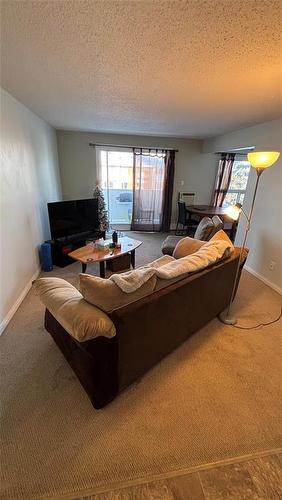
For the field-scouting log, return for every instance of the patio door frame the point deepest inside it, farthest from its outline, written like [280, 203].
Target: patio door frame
[98, 150]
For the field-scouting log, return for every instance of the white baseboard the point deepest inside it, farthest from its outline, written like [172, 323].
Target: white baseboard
[264, 280]
[18, 302]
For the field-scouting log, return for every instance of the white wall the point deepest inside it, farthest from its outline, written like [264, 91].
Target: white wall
[29, 179]
[78, 163]
[265, 237]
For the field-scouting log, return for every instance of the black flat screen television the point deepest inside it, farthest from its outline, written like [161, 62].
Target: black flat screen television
[68, 218]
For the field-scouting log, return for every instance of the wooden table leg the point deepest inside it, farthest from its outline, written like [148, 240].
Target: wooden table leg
[132, 258]
[84, 266]
[102, 269]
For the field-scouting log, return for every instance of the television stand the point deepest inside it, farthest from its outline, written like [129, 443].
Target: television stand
[61, 247]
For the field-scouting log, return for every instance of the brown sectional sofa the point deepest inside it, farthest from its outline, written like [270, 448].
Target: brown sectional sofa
[146, 330]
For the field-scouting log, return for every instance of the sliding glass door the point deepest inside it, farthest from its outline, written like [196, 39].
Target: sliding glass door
[115, 173]
[149, 178]
[137, 185]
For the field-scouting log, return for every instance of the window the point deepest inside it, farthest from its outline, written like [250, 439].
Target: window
[115, 169]
[238, 183]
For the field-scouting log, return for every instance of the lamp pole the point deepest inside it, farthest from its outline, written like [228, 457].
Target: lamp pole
[227, 318]
[260, 160]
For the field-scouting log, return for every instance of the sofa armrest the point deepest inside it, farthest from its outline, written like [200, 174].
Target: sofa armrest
[80, 319]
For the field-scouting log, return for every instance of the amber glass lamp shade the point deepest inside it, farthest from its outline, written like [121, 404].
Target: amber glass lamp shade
[263, 159]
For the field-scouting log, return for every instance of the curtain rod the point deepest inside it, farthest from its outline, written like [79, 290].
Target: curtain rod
[92, 144]
[231, 152]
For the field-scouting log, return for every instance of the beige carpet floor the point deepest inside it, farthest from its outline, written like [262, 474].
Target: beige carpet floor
[217, 397]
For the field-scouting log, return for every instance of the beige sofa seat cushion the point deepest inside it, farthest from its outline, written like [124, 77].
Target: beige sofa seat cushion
[204, 229]
[80, 319]
[186, 246]
[106, 295]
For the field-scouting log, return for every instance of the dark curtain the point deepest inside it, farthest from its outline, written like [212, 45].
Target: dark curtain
[153, 172]
[168, 189]
[223, 178]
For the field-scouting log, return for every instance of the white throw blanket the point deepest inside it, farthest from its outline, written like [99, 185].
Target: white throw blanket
[167, 267]
[132, 280]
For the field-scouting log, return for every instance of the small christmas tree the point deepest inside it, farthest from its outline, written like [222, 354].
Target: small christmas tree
[102, 210]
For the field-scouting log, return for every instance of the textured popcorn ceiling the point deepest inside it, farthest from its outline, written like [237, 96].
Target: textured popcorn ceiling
[189, 68]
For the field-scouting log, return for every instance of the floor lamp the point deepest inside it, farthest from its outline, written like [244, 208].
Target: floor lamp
[259, 160]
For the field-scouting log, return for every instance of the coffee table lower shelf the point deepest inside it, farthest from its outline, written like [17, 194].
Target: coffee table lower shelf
[102, 264]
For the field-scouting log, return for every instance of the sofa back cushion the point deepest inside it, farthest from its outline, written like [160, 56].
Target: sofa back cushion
[106, 295]
[186, 246]
[204, 229]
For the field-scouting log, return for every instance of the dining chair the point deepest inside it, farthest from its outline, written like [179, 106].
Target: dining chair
[188, 198]
[189, 225]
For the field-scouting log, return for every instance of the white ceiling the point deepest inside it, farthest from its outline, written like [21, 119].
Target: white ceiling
[192, 68]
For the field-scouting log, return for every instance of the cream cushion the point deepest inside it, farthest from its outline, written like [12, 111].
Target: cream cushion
[221, 235]
[186, 246]
[106, 295]
[80, 319]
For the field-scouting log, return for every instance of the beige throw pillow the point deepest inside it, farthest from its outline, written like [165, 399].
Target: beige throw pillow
[187, 246]
[80, 319]
[106, 295]
[221, 235]
[204, 229]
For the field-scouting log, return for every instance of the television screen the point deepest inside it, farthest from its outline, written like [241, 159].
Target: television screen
[72, 217]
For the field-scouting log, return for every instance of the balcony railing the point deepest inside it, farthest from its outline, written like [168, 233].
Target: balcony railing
[119, 205]
[234, 196]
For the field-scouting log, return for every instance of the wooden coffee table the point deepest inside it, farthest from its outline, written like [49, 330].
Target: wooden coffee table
[90, 254]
